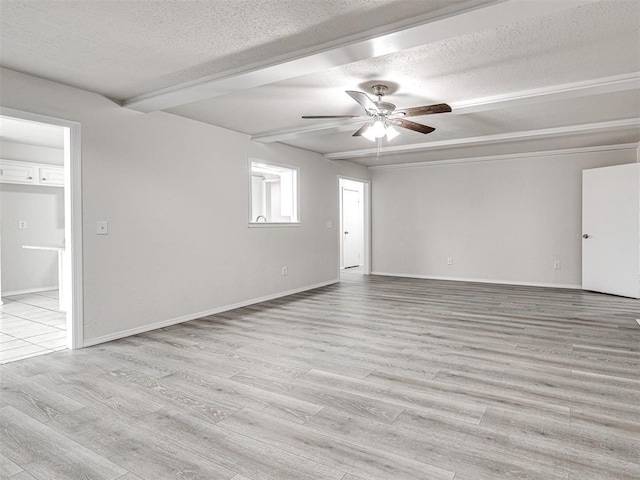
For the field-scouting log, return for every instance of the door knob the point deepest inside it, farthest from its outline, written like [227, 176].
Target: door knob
[346, 233]
[585, 236]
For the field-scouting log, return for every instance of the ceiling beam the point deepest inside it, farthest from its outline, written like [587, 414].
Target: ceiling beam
[509, 156]
[565, 91]
[312, 130]
[453, 21]
[555, 93]
[630, 123]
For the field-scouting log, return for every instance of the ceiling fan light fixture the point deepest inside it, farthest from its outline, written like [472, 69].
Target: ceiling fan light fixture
[368, 134]
[392, 133]
[378, 129]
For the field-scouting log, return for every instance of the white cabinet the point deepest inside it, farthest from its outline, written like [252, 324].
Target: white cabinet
[53, 176]
[27, 173]
[17, 172]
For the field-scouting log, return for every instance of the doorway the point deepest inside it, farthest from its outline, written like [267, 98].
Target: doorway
[354, 226]
[40, 235]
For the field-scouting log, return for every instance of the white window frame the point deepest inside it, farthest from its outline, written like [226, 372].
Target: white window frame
[252, 222]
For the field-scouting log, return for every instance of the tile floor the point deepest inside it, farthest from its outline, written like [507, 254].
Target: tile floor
[31, 325]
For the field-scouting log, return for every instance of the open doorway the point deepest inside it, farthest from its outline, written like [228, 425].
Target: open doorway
[40, 236]
[354, 226]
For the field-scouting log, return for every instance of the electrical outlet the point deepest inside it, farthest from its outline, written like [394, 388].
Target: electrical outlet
[449, 261]
[22, 224]
[285, 271]
[557, 265]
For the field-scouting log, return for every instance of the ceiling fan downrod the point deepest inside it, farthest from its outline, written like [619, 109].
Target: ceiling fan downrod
[379, 90]
[385, 108]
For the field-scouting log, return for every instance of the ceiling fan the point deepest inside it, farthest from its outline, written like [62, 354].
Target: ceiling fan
[383, 115]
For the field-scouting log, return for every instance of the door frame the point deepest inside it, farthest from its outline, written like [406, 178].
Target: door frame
[366, 234]
[73, 217]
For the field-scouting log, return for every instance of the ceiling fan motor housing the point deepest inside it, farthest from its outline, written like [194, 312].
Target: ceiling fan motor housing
[385, 107]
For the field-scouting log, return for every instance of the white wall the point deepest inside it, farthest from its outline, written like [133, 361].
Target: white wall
[502, 221]
[175, 194]
[43, 210]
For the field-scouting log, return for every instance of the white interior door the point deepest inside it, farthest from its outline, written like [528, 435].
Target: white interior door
[351, 228]
[611, 230]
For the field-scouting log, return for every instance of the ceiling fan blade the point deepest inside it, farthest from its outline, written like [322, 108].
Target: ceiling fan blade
[364, 100]
[423, 110]
[416, 127]
[331, 116]
[362, 129]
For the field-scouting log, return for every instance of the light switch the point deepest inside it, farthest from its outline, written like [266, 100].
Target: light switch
[22, 224]
[102, 228]
[329, 224]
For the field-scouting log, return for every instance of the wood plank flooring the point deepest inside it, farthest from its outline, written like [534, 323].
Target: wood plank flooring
[374, 378]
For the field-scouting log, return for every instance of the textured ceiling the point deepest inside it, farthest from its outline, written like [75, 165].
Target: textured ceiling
[589, 42]
[541, 115]
[537, 63]
[123, 48]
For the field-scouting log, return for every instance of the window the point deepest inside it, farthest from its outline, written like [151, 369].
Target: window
[274, 194]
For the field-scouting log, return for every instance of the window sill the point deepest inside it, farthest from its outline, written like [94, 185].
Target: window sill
[273, 224]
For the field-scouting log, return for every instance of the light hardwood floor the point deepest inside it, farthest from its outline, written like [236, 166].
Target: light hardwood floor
[372, 378]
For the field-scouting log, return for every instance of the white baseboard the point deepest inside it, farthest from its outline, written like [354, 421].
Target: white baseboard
[185, 318]
[482, 280]
[29, 290]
